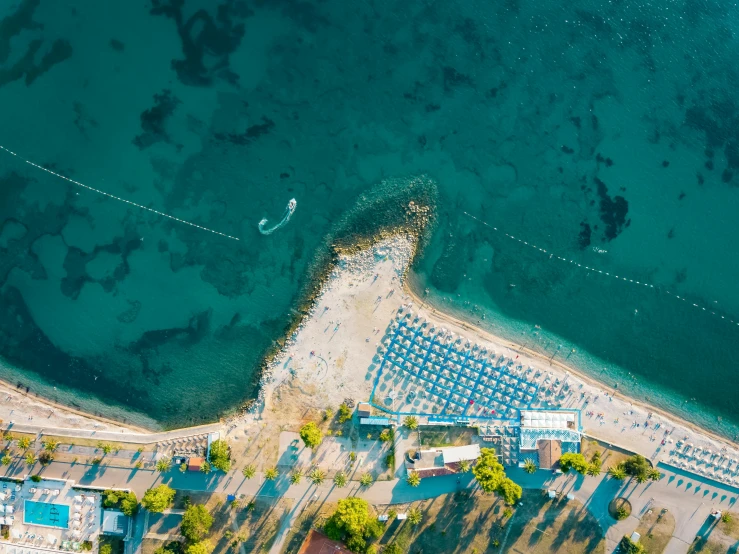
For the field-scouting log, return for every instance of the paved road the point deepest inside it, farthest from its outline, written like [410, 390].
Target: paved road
[688, 498]
[136, 438]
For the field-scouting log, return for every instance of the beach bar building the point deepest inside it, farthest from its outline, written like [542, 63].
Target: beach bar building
[546, 434]
[442, 461]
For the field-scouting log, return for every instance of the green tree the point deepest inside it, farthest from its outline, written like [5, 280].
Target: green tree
[637, 466]
[529, 466]
[196, 522]
[726, 517]
[353, 522]
[414, 516]
[45, 457]
[249, 471]
[202, 547]
[617, 472]
[593, 469]
[366, 479]
[110, 499]
[183, 467]
[345, 413]
[488, 471]
[317, 476]
[205, 468]
[296, 476]
[172, 547]
[464, 466]
[50, 445]
[510, 491]
[129, 504]
[158, 499]
[31, 459]
[392, 548]
[164, 465]
[387, 435]
[414, 479]
[411, 422]
[105, 548]
[572, 460]
[24, 443]
[311, 435]
[271, 474]
[220, 455]
[654, 474]
[340, 479]
[6, 460]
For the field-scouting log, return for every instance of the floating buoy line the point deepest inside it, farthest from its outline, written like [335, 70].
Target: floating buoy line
[553, 256]
[129, 202]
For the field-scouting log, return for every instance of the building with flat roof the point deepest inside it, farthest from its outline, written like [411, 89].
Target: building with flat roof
[442, 461]
[364, 409]
[114, 523]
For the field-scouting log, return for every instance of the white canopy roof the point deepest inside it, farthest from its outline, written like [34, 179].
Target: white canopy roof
[456, 454]
[549, 420]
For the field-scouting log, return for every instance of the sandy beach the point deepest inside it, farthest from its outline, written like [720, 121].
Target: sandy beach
[329, 357]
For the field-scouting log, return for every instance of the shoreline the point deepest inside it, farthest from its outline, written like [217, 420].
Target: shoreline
[582, 375]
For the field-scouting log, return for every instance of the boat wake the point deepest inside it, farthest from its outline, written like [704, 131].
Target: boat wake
[285, 218]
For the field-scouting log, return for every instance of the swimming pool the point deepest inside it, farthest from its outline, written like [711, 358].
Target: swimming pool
[46, 514]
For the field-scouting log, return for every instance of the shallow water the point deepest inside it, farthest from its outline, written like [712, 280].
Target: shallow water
[604, 133]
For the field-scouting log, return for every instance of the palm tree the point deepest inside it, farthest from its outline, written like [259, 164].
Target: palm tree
[464, 466]
[164, 465]
[655, 474]
[641, 478]
[295, 477]
[593, 469]
[249, 471]
[340, 479]
[366, 480]
[205, 468]
[6, 460]
[529, 466]
[31, 459]
[317, 476]
[50, 445]
[271, 474]
[617, 473]
[411, 422]
[24, 443]
[414, 479]
[414, 516]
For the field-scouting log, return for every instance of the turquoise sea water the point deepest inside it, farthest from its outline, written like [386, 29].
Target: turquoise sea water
[605, 133]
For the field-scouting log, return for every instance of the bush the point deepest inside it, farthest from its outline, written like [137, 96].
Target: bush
[726, 517]
[196, 523]
[36, 478]
[627, 546]
[387, 435]
[158, 499]
[220, 455]
[311, 435]
[105, 548]
[571, 460]
[345, 413]
[390, 461]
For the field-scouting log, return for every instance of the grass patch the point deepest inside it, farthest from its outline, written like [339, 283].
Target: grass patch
[460, 522]
[656, 528]
[707, 547]
[543, 526]
[730, 528]
[434, 437]
[609, 456]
